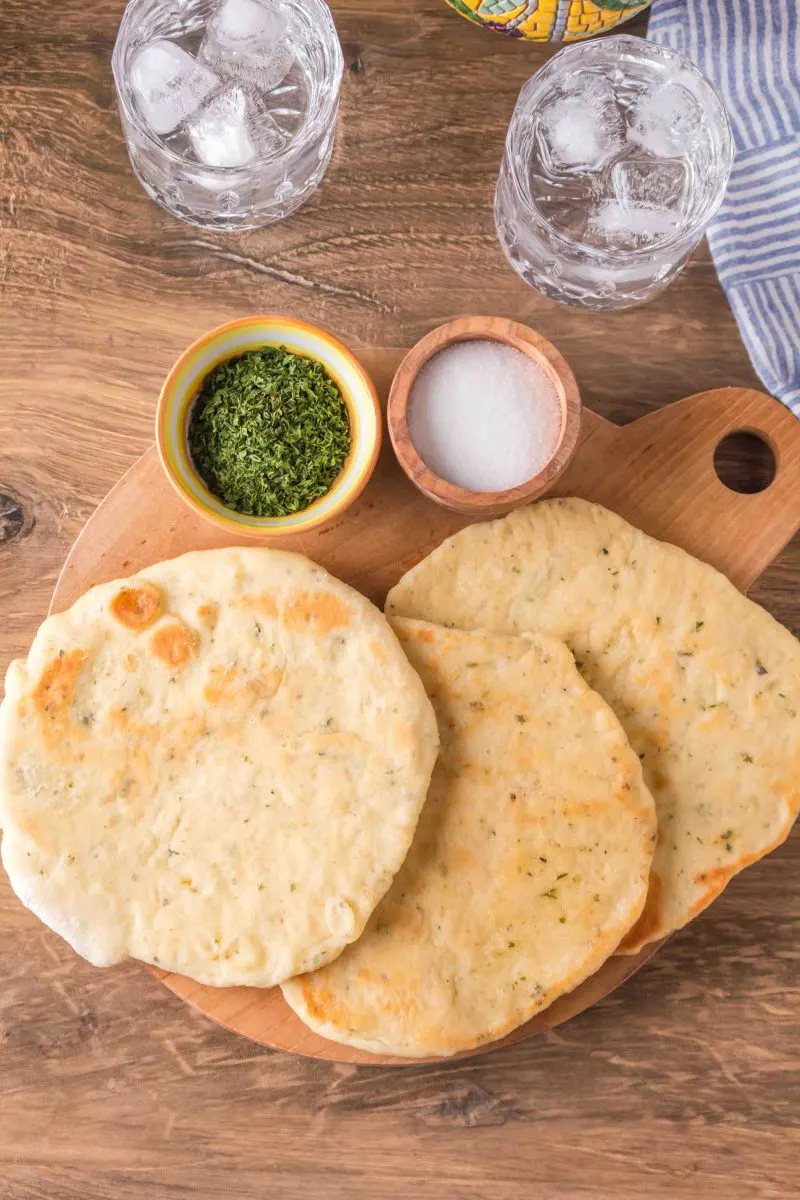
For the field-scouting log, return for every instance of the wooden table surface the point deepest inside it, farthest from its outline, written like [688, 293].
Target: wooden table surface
[686, 1081]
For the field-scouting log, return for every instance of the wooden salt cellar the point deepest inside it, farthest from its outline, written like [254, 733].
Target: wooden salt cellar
[507, 333]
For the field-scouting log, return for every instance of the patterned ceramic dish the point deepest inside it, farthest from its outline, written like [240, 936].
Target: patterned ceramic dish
[548, 20]
[251, 333]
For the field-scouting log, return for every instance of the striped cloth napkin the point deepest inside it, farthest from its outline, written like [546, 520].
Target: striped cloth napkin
[751, 50]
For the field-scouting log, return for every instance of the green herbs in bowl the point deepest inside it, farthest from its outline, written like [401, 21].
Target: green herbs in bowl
[269, 432]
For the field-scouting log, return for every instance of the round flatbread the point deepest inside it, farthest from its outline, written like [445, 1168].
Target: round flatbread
[530, 860]
[216, 766]
[705, 683]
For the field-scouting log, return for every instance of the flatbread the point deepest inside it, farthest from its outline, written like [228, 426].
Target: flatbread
[216, 766]
[705, 683]
[530, 860]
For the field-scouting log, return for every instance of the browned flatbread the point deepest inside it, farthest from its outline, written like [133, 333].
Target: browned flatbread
[705, 683]
[530, 860]
[216, 766]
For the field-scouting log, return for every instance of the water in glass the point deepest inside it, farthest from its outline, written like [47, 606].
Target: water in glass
[228, 106]
[617, 157]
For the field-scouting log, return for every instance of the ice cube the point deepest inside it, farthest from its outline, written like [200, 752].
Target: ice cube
[581, 129]
[233, 129]
[626, 226]
[648, 182]
[169, 85]
[247, 40]
[667, 121]
[289, 102]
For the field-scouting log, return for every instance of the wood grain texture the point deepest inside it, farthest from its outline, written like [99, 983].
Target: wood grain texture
[683, 1083]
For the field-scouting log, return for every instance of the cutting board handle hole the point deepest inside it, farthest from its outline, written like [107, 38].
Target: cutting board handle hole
[745, 462]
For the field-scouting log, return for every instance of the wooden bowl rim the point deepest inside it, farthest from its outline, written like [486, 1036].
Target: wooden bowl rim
[508, 333]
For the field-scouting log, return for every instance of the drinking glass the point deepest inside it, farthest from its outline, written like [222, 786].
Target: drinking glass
[228, 106]
[616, 159]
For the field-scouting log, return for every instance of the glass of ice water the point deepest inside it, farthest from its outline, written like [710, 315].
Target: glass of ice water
[617, 157]
[228, 106]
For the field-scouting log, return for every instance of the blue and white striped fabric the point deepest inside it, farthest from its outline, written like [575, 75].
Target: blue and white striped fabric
[751, 50]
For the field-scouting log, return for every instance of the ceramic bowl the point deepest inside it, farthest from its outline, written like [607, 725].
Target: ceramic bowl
[252, 333]
[508, 333]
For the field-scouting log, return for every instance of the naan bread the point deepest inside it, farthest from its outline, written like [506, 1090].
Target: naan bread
[216, 766]
[530, 860]
[705, 683]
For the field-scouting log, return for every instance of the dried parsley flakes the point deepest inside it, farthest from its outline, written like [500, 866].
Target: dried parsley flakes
[269, 432]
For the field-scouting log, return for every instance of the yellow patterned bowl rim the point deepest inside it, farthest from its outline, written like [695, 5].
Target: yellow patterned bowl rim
[251, 333]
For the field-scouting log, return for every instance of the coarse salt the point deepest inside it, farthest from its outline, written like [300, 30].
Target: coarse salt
[484, 416]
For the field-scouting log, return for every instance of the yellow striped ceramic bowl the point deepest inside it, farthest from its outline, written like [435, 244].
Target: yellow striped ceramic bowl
[251, 333]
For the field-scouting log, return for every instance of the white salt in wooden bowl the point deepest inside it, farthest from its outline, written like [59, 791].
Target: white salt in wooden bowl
[565, 396]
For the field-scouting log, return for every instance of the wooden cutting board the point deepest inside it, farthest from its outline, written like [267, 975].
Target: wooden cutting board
[658, 473]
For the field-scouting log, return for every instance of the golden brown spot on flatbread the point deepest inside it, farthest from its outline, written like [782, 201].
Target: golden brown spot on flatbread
[55, 690]
[715, 880]
[226, 685]
[174, 644]
[588, 809]
[325, 1005]
[118, 718]
[264, 604]
[378, 652]
[424, 635]
[649, 924]
[39, 831]
[208, 615]
[322, 1004]
[316, 613]
[189, 732]
[137, 607]
[130, 662]
[220, 682]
